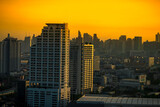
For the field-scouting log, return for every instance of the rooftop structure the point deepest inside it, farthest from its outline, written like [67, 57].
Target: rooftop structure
[119, 101]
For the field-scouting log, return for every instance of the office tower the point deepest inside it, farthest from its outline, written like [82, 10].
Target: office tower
[138, 43]
[33, 42]
[49, 68]
[87, 68]
[10, 55]
[81, 66]
[75, 68]
[158, 37]
[96, 63]
[151, 61]
[87, 38]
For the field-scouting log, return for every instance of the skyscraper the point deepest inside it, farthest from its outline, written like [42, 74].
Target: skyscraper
[75, 73]
[81, 67]
[75, 65]
[158, 37]
[49, 68]
[10, 55]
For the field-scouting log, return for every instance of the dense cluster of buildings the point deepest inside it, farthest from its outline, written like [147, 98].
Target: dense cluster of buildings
[55, 69]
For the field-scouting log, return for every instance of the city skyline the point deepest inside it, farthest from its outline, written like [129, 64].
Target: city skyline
[72, 53]
[58, 72]
[108, 19]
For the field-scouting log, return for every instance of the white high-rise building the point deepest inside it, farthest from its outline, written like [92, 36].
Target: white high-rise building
[49, 68]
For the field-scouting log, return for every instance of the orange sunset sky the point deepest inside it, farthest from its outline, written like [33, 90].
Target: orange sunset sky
[107, 18]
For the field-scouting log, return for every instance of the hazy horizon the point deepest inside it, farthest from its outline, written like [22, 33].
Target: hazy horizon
[108, 19]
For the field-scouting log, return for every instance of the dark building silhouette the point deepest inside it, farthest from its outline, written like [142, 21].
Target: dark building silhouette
[158, 37]
[151, 48]
[87, 38]
[10, 55]
[138, 43]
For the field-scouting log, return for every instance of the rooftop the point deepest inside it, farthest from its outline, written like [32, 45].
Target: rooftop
[100, 99]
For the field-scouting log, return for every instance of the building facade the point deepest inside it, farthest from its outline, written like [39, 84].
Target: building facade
[49, 68]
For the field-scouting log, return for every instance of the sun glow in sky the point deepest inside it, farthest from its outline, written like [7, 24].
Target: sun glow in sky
[107, 18]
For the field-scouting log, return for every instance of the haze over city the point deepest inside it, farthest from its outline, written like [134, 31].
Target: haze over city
[107, 18]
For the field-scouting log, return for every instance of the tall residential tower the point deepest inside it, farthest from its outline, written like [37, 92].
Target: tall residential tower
[49, 68]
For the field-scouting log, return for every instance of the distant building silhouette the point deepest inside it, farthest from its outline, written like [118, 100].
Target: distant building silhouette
[87, 38]
[158, 37]
[129, 45]
[33, 42]
[151, 48]
[138, 43]
[122, 38]
[25, 45]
